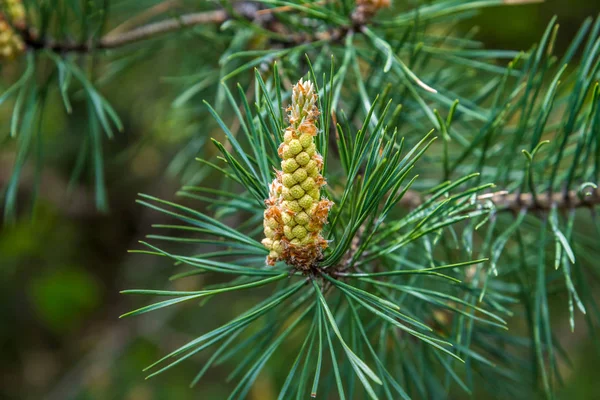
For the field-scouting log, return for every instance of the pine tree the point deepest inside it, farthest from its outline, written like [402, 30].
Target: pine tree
[397, 194]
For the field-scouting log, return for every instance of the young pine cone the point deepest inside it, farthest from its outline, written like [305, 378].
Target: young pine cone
[295, 212]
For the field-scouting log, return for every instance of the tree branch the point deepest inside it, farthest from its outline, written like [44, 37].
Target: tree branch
[249, 10]
[112, 41]
[564, 201]
[162, 27]
[245, 9]
[515, 202]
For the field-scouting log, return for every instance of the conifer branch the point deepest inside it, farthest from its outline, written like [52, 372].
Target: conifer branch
[568, 200]
[116, 39]
[504, 201]
[33, 40]
[248, 10]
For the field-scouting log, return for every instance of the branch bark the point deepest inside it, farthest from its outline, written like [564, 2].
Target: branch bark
[33, 40]
[251, 11]
[245, 9]
[162, 27]
[515, 202]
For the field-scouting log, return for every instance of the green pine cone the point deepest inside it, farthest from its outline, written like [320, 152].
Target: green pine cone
[296, 212]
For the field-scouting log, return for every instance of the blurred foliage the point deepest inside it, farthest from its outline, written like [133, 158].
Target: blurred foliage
[63, 297]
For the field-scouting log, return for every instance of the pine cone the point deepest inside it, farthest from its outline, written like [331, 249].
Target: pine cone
[296, 212]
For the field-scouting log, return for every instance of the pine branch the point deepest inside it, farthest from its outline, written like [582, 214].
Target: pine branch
[504, 201]
[248, 10]
[569, 200]
[33, 40]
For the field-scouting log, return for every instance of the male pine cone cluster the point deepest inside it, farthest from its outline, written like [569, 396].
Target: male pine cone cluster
[295, 212]
[11, 44]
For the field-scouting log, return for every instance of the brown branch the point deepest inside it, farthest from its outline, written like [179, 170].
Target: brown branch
[112, 41]
[249, 10]
[162, 27]
[244, 9]
[504, 201]
[569, 200]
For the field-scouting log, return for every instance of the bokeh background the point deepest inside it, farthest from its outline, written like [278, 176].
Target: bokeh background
[63, 263]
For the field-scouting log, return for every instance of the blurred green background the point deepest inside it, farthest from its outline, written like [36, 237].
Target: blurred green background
[63, 263]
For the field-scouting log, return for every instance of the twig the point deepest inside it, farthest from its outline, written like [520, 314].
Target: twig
[161, 27]
[115, 39]
[112, 41]
[504, 201]
[571, 200]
